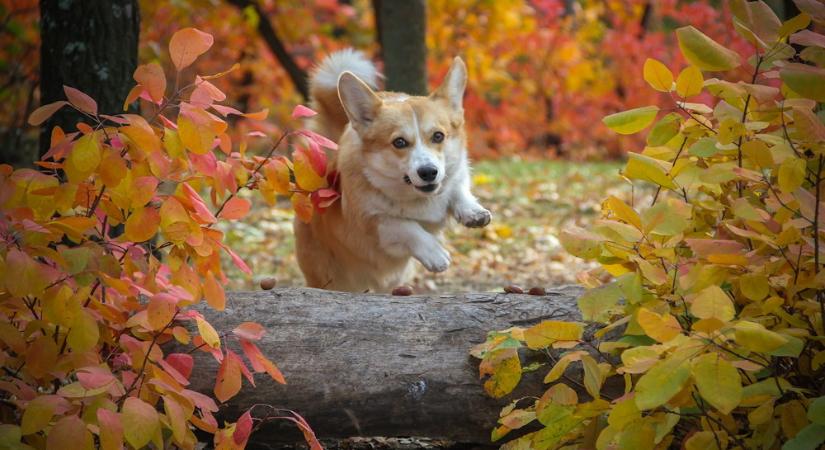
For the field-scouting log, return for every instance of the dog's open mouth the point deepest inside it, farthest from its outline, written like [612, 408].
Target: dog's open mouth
[427, 187]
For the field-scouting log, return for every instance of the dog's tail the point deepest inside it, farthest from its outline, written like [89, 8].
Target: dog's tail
[323, 88]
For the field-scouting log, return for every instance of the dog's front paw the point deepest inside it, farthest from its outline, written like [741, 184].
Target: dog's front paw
[477, 217]
[436, 259]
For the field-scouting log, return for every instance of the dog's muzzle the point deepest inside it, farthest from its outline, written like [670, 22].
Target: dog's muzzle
[425, 188]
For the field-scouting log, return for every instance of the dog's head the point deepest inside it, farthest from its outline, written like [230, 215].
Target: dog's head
[410, 144]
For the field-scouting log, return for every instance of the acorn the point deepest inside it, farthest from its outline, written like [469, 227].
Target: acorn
[403, 290]
[268, 283]
[513, 289]
[537, 291]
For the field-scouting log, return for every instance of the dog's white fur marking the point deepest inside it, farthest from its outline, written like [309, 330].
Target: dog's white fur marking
[368, 239]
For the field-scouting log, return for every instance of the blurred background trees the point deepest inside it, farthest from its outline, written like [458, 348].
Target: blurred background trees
[542, 72]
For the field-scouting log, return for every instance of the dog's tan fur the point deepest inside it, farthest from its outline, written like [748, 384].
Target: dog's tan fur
[367, 240]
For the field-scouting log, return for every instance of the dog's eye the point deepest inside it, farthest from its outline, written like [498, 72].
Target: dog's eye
[400, 143]
[438, 137]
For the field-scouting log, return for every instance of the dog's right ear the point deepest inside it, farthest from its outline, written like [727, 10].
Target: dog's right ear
[359, 101]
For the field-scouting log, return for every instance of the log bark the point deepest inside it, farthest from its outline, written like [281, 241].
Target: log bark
[402, 30]
[378, 365]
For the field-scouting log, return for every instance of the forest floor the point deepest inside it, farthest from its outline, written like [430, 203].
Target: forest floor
[531, 201]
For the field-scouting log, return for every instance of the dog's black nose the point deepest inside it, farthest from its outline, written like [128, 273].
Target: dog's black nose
[428, 173]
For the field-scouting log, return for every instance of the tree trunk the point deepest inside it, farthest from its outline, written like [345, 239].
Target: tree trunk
[378, 365]
[402, 26]
[90, 45]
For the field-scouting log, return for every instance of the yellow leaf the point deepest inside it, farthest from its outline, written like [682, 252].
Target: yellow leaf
[208, 333]
[643, 167]
[713, 302]
[546, 333]
[84, 334]
[705, 440]
[561, 365]
[660, 327]
[504, 368]
[631, 121]
[142, 224]
[305, 176]
[754, 286]
[704, 52]
[160, 311]
[689, 82]
[791, 174]
[196, 138]
[657, 75]
[151, 76]
[83, 159]
[756, 337]
[141, 422]
[718, 381]
[762, 414]
[622, 211]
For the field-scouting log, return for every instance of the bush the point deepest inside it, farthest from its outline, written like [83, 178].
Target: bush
[104, 250]
[713, 321]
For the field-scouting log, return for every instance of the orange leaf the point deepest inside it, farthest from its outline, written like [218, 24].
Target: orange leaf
[213, 291]
[228, 382]
[151, 76]
[80, 100]
[302, 205]
[142, 224]
[43, 113]
[235, 208]
[161, 310]
[261, 363]
[251, 331]
[186, 45]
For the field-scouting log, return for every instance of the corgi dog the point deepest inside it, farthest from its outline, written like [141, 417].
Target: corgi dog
[403, 171]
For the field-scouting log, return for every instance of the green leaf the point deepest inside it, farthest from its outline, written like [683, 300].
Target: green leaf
[631, 121]
[689, 82]
[598, 304]
[805, 80]
[705, 53]
[658, 75]
[662, 382]
[140, 422]
[705, 147]
[664, 130]
[816, 411]
[718, 381]
[84, 334]
[809, 438]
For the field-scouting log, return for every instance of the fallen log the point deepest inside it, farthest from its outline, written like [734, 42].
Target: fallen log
[378, 365]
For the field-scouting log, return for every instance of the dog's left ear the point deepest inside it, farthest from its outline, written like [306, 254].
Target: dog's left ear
[452, 88]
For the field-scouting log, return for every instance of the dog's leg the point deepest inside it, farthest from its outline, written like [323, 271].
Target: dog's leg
[465, 206]
[404, 238]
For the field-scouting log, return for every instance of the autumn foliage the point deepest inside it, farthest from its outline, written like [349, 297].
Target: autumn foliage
[105, 249]
[710, 331]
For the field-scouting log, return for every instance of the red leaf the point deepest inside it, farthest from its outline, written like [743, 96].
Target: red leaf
[182, 362]
[302, 111]
[243, 428]
[235, 208]
[151, 76]
[239, 263]
[80, 100]
[318, 139]
[251, 331]
[43, 113]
